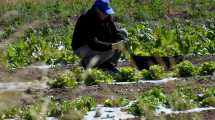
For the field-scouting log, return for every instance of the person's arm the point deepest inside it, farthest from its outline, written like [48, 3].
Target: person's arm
[118, 35]
[91, 37]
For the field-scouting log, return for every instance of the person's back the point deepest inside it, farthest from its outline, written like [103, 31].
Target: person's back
[89, 28]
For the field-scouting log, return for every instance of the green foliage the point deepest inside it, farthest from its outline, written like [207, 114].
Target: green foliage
[84, 103]
[154, 36]
[155, 72]
[16, 55]
[140, 38]
[158, 52]
[96, 76]
[198, 43]
[207, 93]
[26, 112]
[207, 68]
[136, 109]
[78, 73]
[64, 81]
[158, 8]
[149, 100]
[179, 39]
[116, 102]
[127, 74]
[185, 69]
[145, 74]
[183, 99]
[56, 109]
[47, 45]
[209, 101]
[10, 113]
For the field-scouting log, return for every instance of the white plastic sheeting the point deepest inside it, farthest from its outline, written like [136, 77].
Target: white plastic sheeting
[168, 111]
[108, 113]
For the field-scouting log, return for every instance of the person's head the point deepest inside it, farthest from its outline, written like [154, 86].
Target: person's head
[103, 9]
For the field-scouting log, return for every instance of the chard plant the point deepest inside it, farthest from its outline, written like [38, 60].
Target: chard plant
[127, 74]
[148, 101]
[183, 99]
[185, 69]
[95, 76]
[67, 80]
[155, 72]
[207, 68]
[58, 109]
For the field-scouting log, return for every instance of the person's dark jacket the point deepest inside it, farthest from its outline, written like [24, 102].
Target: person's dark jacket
[90, 29]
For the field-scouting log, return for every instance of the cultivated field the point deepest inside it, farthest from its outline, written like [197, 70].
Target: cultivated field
[40, 76]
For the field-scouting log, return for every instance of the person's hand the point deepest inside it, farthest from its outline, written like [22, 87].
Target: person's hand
[118, 46]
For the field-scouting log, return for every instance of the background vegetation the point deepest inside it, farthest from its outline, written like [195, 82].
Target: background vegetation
[41, 30]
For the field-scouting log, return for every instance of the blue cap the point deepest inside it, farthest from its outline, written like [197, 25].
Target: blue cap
[104, 6]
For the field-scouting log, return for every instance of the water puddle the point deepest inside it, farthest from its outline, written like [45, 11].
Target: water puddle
[108, 113]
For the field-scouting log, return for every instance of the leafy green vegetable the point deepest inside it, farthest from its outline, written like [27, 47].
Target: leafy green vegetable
[155, 72]
[127, 74]
[149, 100]
[207, 68]
[96, 76]
[185, 69]
[65, 80]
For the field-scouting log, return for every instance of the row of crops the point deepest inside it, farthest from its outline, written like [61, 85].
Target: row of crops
[155, 28]
[146, 104]
[78, 75]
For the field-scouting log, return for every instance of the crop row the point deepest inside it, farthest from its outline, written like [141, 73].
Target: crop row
[182, 98]
[45, 107]
[78, 75]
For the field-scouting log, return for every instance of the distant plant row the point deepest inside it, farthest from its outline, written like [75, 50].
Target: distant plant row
[53, 45]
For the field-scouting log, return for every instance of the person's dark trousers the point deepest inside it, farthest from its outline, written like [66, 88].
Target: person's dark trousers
[103, 60]
[112, 61]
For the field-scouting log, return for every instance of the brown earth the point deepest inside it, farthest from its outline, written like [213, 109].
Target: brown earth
[104, 91]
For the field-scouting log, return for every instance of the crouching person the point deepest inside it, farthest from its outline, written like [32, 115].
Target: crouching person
[94, 36]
